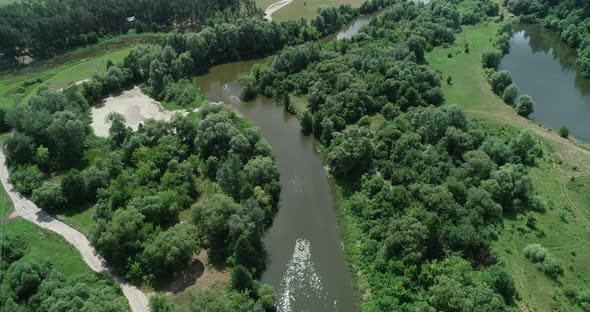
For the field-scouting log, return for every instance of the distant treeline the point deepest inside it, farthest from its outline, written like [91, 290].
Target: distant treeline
[43, 28]
[570, 18]
[163, 69]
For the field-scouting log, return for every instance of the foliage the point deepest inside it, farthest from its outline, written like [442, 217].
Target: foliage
[543, 259]
[564, 132]
[525, 106]
[55, 25]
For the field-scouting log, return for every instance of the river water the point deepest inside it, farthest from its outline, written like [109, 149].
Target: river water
[318, 278]
[544, 67]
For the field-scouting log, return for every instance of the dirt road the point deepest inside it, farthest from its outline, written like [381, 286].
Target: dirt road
[29, 211]
[275, 7]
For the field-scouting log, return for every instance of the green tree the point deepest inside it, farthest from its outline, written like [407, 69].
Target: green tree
[500, 81]
[49, 197]
[564, 132]
[307, 123]
[118, 130]
[417, 44]
[525, 106]
[211, 219]
[241, 279]
[171, 249]
[351, 152]
[73, 187]
[491, 59]
[19, 149]
[26, 275]
[159, 303]
[510, 94]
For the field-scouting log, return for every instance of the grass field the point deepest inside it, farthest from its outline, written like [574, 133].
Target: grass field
[46, 244]
[303, 8]
[69, 67]
[564, 228]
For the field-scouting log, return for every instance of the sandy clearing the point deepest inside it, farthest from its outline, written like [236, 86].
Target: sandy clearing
[29, 211]
[275, 7]
[134, 105]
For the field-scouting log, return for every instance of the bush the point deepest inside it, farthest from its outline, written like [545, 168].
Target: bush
[26, 178]
[491, 58]
[535, 252]
[500, 81]
[24, 276]
[49, 197]
[564, 132]
[510, 93]
[525, 106]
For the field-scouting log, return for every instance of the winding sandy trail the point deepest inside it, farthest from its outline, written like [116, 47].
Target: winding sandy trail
[275, 7]
[29, 211]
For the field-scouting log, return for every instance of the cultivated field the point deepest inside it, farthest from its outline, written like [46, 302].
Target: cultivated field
[303, 8]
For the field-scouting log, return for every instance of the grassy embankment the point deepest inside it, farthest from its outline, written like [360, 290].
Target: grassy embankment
[46, 244]
[58, 72]
[561, 177]
[303, 8]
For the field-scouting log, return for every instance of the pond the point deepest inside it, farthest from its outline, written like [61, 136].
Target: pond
[544, 67]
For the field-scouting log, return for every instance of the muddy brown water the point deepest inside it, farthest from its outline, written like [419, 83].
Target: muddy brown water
[315, 278]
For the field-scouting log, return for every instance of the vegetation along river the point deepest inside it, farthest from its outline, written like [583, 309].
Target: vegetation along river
[314, 279]
[544, 67]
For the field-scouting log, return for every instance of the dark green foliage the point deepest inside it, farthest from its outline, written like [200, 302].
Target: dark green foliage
[49, 197]
[500, 81]
[307, 123]
[351, 152]
[491, 59]
[25, 276]
[159, 303]
[53, 27]
[241, 279]
[525, 106]
[564, 132]
[26, 179]
[19, 149]
[510, 94]
[171, 249]
[12, 248]
[73, 187]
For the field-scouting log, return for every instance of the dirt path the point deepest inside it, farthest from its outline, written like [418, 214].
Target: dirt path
[275, 7]
[570, 202]
[29, 211]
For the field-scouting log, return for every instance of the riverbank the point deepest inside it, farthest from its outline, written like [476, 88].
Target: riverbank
[563, 227]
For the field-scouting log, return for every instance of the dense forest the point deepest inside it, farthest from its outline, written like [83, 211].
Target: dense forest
[570, 18]
[426, 189]
[141, 180]
[42, 28]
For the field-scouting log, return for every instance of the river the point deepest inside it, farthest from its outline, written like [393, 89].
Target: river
[544, 67]
[317, 279]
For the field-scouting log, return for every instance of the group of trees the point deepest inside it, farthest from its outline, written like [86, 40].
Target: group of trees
[570, 18]
[501, 81]
[43, 28]
[425, 189]
[29, 284]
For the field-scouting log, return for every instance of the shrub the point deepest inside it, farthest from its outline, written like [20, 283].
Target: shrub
[500, 81]
[26, 178]
[564, 132]
[491, 58]
[49, 197]
[525, 106]
[535, 252]
[510, 93]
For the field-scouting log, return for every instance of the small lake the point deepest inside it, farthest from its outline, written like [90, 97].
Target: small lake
[544, 67]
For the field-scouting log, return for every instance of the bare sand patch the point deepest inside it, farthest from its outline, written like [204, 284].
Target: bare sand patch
[134, 105]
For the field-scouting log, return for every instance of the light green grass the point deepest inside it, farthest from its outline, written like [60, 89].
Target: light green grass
[45, 244]
[303, 8]
[560, 229]
[80, 218]
[67, 68]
